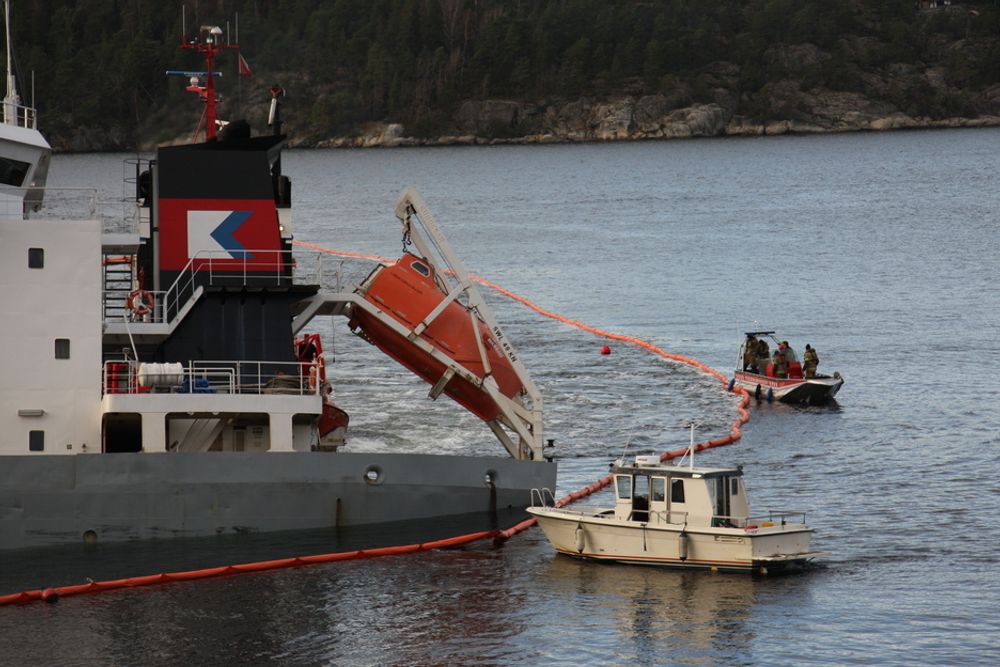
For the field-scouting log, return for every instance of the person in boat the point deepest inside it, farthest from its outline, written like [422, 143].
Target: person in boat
[750, 354]
[763, 355]
[788, 352]
[779, 364]
[810, 360]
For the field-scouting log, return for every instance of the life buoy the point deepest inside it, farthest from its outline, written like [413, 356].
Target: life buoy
[141, 302]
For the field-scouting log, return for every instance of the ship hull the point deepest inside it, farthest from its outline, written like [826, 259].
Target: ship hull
[50, 500]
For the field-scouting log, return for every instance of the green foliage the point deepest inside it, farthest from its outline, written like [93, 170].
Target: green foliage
[100, 63]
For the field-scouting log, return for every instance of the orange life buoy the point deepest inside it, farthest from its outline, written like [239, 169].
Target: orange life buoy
[141, 302]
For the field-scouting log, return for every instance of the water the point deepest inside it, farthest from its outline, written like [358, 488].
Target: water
[879, 250]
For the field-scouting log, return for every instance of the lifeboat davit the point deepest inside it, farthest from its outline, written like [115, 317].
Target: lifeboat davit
[408, 292]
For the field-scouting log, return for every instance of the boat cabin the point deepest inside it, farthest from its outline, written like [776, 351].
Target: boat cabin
[656, 494]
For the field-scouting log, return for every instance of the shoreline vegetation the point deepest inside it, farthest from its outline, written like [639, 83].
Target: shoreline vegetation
[366, 73]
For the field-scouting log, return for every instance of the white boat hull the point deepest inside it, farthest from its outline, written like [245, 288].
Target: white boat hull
[581, 534]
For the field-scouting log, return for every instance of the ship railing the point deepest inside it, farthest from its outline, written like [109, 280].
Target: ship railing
[212, 377]
[260, 268]
[20, 115]
[123, 304]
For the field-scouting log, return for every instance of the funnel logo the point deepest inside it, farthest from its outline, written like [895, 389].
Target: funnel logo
[212, 233]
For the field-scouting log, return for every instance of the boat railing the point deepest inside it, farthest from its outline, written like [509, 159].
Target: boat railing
[668, 516]
[779, 518]
[543, 497]
[212, 377]
[21, 115]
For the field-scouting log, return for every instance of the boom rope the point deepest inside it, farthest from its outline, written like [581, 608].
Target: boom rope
[735, 433]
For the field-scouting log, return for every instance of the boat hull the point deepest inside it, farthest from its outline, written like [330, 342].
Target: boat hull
[812, 391]
[603, 538]
[48, 500]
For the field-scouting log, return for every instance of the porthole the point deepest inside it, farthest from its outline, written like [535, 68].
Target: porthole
[373, 474]
[90, 537]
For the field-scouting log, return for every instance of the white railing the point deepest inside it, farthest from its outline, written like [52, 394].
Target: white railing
[21, 115]
[212, 377]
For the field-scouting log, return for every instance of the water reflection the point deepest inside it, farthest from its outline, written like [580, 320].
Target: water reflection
[658, 613]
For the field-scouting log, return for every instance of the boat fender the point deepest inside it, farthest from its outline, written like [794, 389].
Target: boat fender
[732, 383]
[756, 393]
[682, 545]
[141, 302]
[770, 395]
[581, 539]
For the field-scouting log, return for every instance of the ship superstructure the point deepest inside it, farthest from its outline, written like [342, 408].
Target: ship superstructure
[163, 379]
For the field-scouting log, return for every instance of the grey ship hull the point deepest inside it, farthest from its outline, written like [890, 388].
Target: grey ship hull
[49, 500]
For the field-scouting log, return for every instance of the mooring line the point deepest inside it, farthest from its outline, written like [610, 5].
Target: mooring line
[53, 594]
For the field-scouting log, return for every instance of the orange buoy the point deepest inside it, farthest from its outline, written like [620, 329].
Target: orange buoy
[50, 595]
[605, 350]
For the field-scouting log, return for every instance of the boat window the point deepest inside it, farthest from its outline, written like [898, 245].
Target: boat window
[13, 172]
[36, 441]
[36, 258]
[641, 486]
[659, 492]
[677, 491]
[421, 268]
[62, 348]
[623, 486]
[734, 486]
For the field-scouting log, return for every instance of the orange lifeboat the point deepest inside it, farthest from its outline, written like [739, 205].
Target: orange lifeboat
[408, 292]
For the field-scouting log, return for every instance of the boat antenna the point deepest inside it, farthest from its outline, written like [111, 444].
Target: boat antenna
[689, 455]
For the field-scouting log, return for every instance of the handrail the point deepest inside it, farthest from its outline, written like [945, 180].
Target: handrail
[212, 377]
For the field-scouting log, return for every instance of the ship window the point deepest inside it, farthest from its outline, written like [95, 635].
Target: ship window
[36, 441]
[624, 486]
[677, 491]
[659, 489]
[421, 268]
[36, 258]
[734, 485]
[13, 172]
[62, 348]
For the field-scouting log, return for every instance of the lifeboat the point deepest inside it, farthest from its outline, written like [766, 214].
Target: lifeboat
[409, 293]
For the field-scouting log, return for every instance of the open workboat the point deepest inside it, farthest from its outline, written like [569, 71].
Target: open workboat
[761, 379]
[678, 516]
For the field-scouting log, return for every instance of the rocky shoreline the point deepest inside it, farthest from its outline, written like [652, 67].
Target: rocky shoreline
[637, 119]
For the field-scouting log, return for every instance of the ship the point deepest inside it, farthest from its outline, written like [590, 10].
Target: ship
[161, 377]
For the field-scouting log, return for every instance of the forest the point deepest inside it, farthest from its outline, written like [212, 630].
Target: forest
[97, 66]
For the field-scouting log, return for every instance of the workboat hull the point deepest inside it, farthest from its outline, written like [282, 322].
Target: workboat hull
[582, 534]
[49, 500]
[811, 391]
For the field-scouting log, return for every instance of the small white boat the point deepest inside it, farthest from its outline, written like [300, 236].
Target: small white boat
[678, 516]
[789, 383]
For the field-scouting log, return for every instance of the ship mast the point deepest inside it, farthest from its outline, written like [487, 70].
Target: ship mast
[208, 45]
[11, 102]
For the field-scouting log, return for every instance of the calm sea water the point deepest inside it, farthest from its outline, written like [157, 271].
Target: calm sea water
[880, 250]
